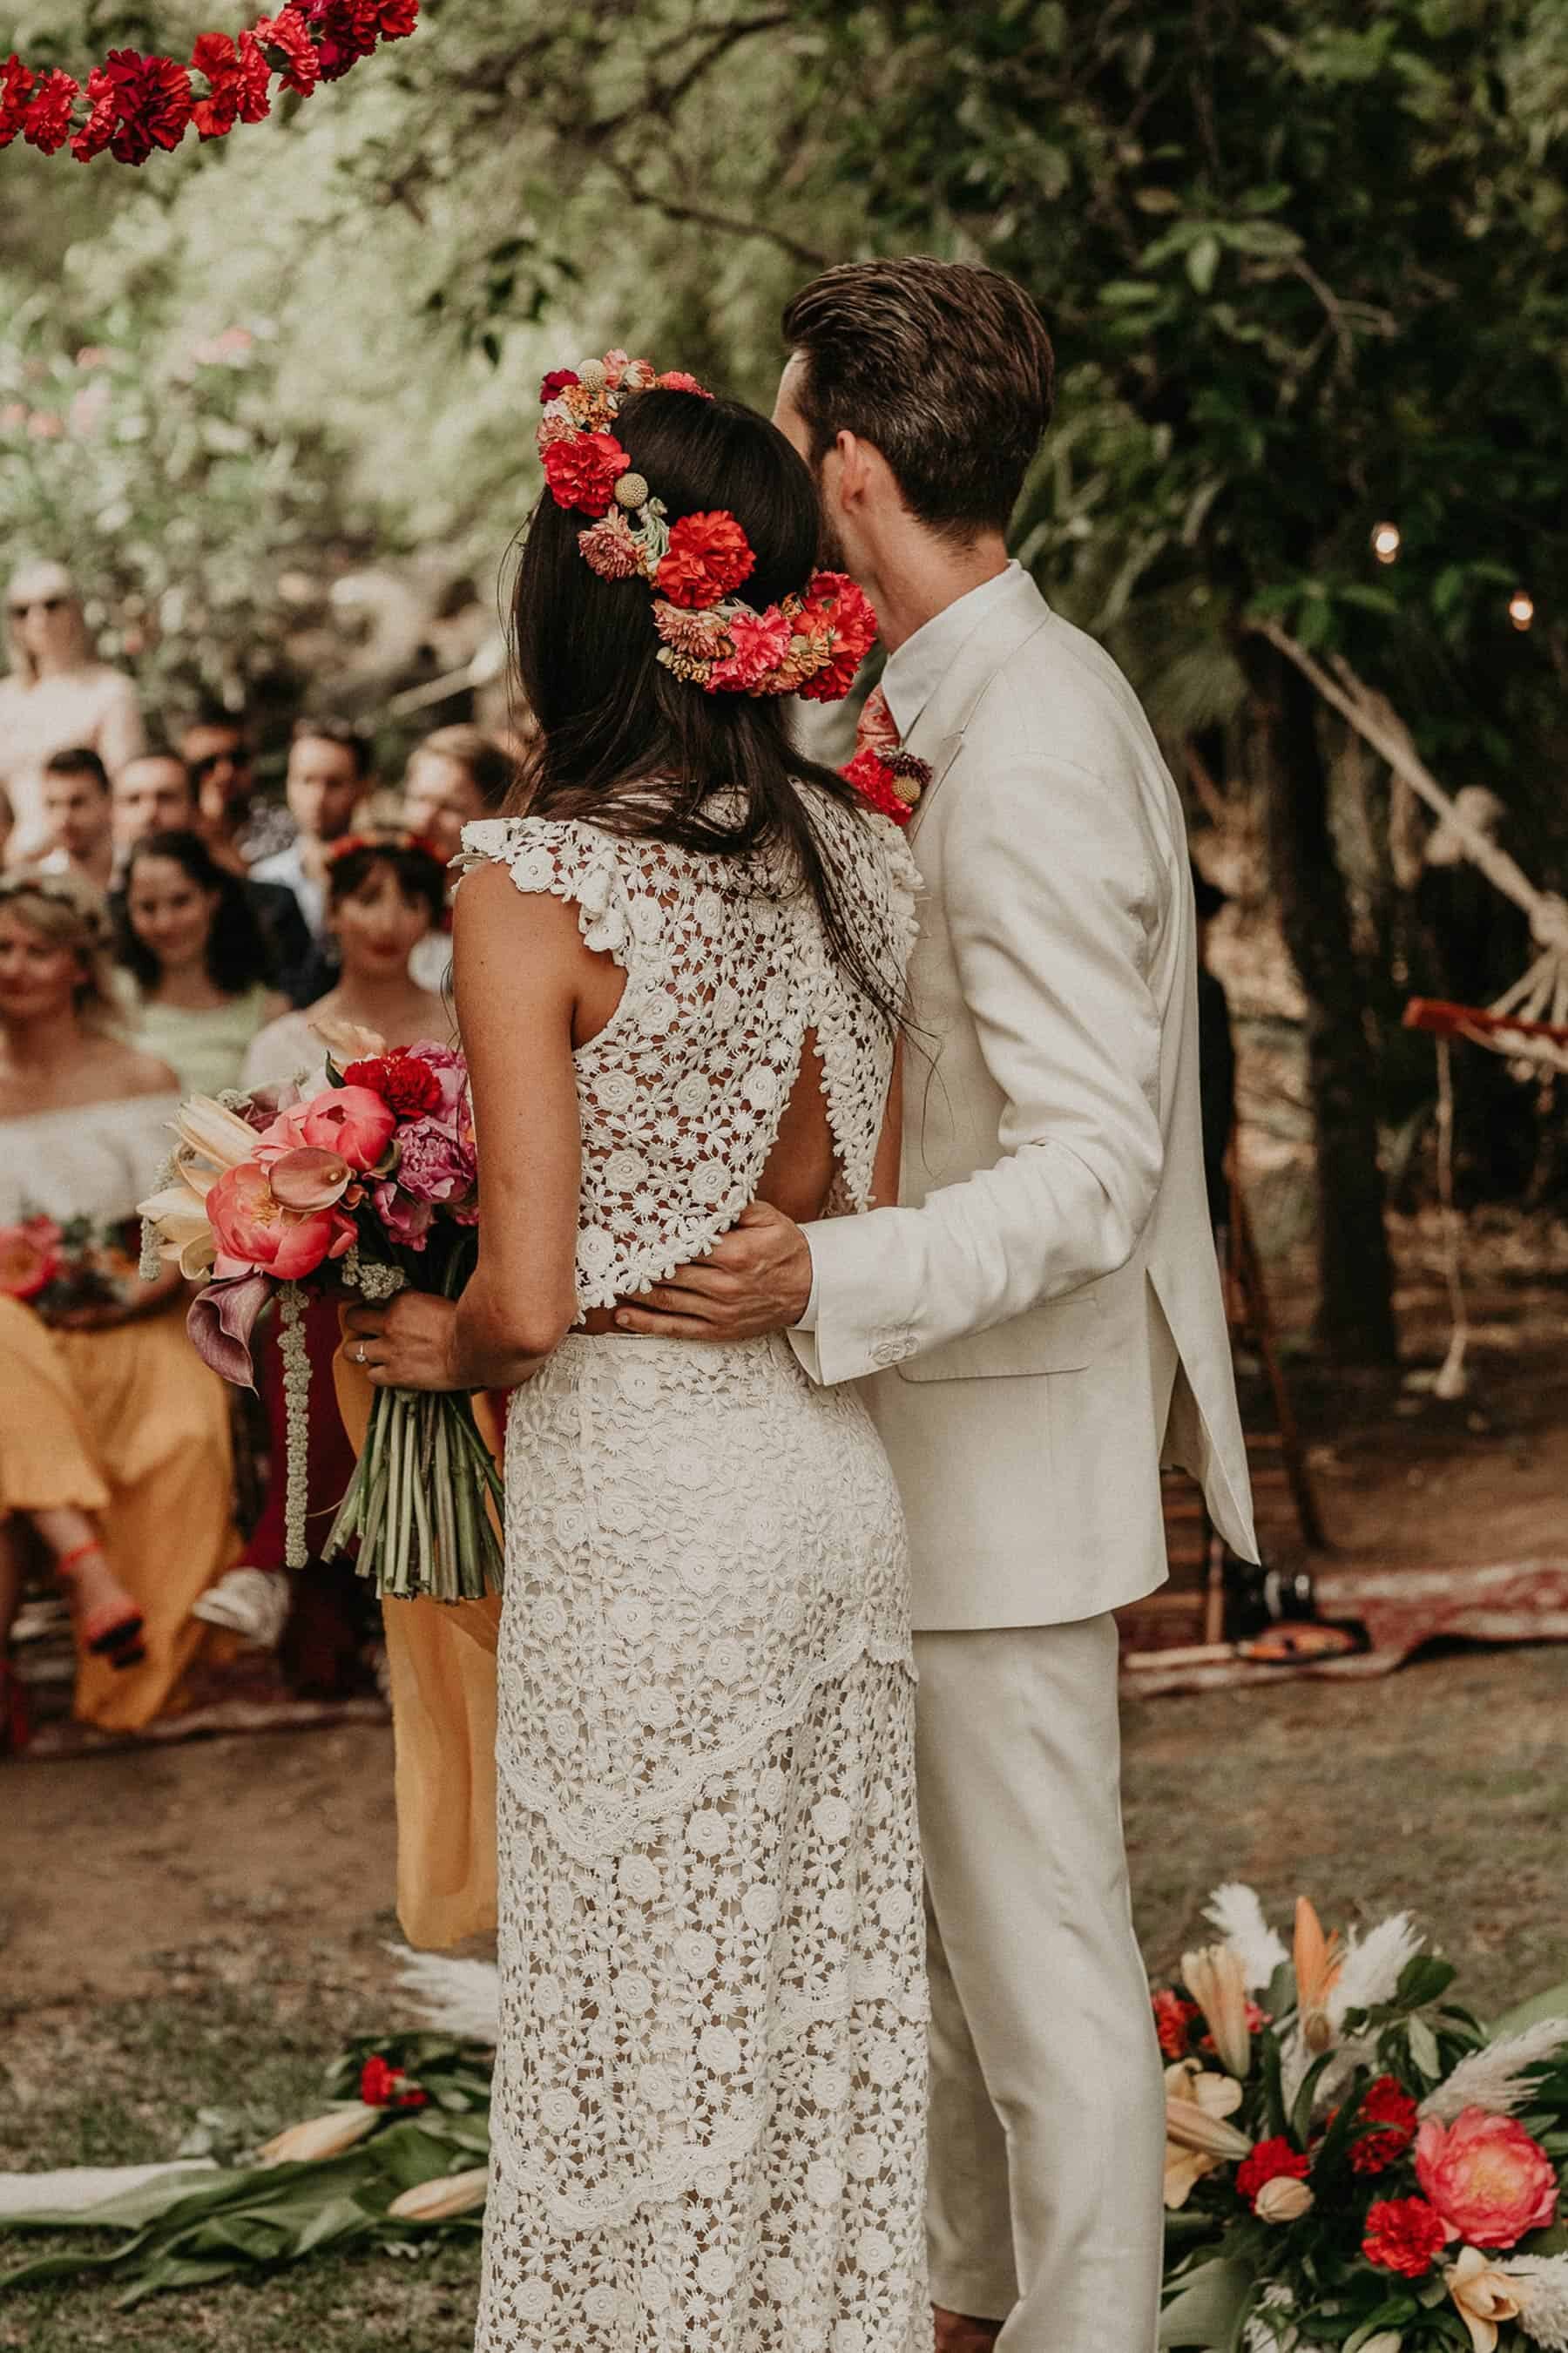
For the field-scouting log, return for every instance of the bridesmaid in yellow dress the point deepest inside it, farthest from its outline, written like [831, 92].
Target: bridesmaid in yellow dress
[83, 1136]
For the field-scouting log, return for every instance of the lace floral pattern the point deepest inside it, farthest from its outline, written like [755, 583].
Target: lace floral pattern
[708, 2130]
[726, 971]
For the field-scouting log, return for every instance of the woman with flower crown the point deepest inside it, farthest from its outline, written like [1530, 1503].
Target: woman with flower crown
[680, 973]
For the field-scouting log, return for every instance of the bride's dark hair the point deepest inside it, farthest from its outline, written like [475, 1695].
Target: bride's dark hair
[625, 742]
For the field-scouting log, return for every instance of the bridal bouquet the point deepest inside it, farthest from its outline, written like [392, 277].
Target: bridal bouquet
[63, 1271]
[370, 1184]
[1351, 2162]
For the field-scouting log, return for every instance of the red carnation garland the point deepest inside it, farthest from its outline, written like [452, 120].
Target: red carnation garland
[132, 104]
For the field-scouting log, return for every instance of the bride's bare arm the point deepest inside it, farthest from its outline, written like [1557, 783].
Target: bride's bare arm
[521, 975]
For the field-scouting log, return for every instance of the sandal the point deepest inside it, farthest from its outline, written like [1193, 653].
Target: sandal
[114, 1632]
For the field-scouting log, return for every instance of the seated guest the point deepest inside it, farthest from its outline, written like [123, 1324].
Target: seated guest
[50, 1496]
[328, 776]
[79, 815]
[385, 892]
[156, 793]
[84, 1135]
[188, 935]
[453, 777]
[239, 828]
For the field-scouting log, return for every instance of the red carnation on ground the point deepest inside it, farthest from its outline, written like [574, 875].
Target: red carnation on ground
[1271, 2160]
[408, 1086]
[873, 780]
[49, 116]
[237, 78]
[583, 473]
[556, 381]
[708, 557]
[16, 87]
[385, 2086]
[287, 33]
[1172, 2016]
[1404, 2235]
[1386, 2102]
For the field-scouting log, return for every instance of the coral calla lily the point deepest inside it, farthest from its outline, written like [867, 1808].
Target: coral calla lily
[310, 1178]
[1216, 1977]
[1318, 1964]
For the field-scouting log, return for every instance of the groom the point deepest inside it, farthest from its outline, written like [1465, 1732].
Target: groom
[1039, 1324]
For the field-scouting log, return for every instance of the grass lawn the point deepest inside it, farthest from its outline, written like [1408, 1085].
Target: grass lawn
[1445, 1789]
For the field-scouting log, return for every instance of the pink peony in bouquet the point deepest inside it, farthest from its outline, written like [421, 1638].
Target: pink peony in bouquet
[369, 1184]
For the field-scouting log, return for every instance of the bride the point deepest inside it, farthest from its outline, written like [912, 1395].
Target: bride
[678, 978]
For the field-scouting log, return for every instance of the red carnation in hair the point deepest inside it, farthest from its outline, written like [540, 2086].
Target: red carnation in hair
[835, 602]
[408, 1086]
[16, 87]
[350, 30]
[98, 129]
[1404, 2235]
[583, 473]
[1387, 2103]
[49, 116]
[557, 380]
[238, 77]
[286, 32]
[677, 380]
[398, 18]
[708, 557]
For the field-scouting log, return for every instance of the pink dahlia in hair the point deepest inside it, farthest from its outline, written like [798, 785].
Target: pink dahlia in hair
[608, 546]
[708, 557]
[758, 643]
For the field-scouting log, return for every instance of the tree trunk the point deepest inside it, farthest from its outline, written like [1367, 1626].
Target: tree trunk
[1355, 1289]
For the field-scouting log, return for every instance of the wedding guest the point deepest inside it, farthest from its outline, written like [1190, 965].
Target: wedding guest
[79, 815]
[157, 794]
[84, 1135]
[453, 777]
[153, 794]
[385, 892]
[56, 693]
[190, 938]
[50, 1497]
[327, 775]
[239, 828]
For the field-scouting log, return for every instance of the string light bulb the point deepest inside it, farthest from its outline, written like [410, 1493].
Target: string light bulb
[1385, 542]
[1522, 608]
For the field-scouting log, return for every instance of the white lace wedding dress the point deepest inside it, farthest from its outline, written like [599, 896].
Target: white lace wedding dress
[709, 2115]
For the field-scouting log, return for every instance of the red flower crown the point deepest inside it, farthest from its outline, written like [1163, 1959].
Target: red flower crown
[387, 837]
[809, 644]
[132, 104]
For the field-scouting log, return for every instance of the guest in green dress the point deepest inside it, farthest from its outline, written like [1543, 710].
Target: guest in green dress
[192, 944]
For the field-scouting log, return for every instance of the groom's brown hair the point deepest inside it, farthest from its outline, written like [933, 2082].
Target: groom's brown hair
[946, 368]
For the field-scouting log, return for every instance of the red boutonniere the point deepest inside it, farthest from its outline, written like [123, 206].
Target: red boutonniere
[891, 781]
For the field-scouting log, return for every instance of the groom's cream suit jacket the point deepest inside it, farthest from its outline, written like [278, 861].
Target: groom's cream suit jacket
[1019, 1317]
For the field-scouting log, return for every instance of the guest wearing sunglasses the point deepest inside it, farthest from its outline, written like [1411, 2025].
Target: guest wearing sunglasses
[239, 828]
[55, 695]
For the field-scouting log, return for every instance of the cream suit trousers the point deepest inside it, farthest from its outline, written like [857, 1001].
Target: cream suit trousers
[1048, 2099]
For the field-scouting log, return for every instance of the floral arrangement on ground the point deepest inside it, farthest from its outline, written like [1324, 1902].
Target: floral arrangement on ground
[1353, 2163]
[132, 104]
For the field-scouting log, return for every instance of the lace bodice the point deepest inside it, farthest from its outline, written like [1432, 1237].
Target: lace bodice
[728, 970]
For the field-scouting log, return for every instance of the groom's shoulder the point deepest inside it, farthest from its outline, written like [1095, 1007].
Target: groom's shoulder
[1061, 696]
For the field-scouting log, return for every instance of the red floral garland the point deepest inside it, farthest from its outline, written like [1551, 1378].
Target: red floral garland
[132, 103]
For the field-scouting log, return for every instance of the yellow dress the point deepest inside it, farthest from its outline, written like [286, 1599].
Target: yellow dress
[442, 1658]
[140, 1410]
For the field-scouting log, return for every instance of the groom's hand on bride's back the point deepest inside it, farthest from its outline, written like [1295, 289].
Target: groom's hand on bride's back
[756, 1279]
